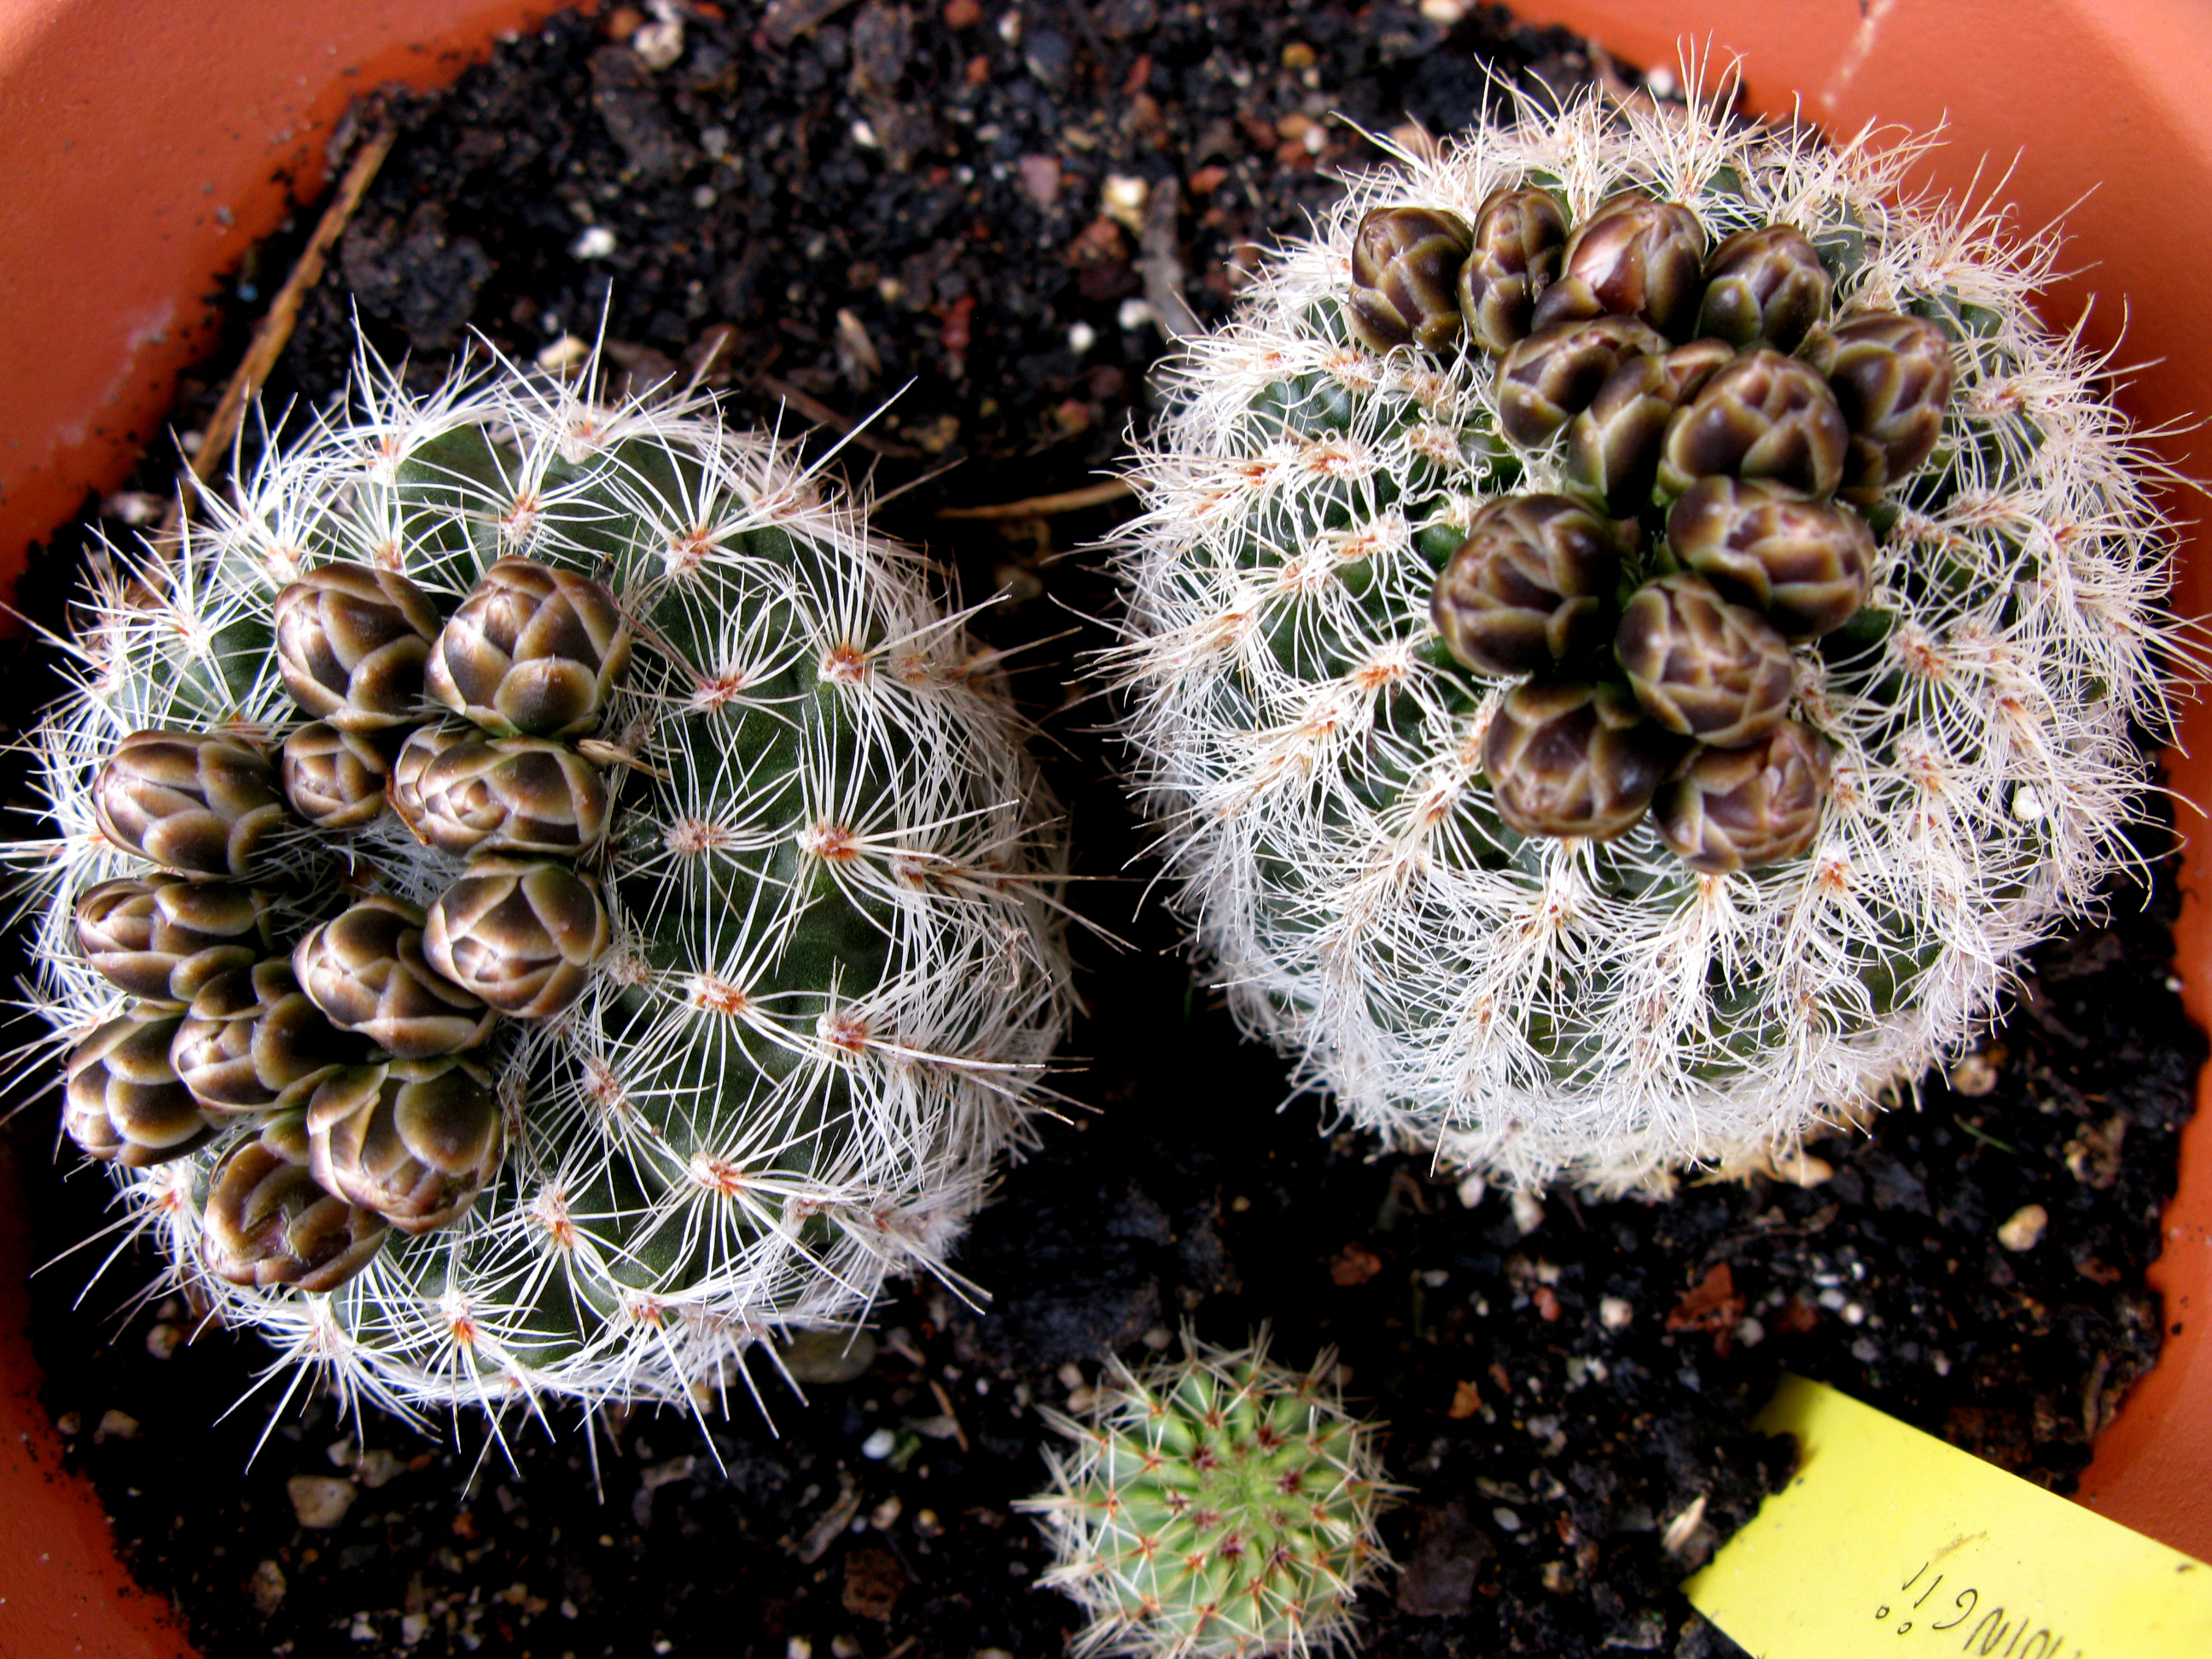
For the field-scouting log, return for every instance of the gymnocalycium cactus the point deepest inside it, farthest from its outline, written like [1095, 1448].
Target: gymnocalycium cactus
[733, 880]
[1217, 1505]
[1635, 629]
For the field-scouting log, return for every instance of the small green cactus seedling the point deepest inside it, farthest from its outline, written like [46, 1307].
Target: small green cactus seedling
[540, 898]
[1634, 631]
[1217, 1505]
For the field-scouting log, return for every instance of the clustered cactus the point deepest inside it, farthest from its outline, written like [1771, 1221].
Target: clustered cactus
[541, 899]
[1634, 630]
[1217, 1505]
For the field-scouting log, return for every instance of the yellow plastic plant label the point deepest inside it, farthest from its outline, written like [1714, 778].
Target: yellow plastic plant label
[1888, 1542]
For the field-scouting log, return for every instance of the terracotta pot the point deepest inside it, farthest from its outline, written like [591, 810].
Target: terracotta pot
[127, 190]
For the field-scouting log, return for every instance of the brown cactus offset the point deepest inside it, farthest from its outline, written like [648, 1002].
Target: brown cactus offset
[412, 1140]
[1547, 378]
[333, 778]
[1891, 376]
[1531, 588]
[163, 938]
[1765, 415]
[1612, 446]
[1766, 285]
[514, 795]
[1805, 565]
[1701, 666]
[1743, 809]
[366, 970]
[1519, 234]
[1405, 266]
[205, 805]
[1632, 257]
[518, 934]
[254, 1042]
[123, 1102]
[351, 642]
[532, 651]
[267, 1221]
[1574, 757]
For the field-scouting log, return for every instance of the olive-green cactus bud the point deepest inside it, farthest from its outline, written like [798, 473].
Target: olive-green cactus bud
[1738, 809]
[334, 779]
[1518, 236]
[351, 640]
[1804, 565]
[1633, 257]
[1574, 757]
[1765, 415]
[533, 652]
[163, 939]
[1891, 376]
[267, 1221]
[1405, 272]
[521, 934]
[123, 1103]
[254, 1042]
[367, 972]
[1532, 587]
[414, 1140]
[188, 801]
[521, 795]
[1764, 285]
[1701, 666]
[1547, 379]
[1612, 446]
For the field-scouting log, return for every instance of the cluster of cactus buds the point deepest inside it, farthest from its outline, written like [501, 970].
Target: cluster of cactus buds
[533, 996]
[354, 1035]
[1722, 446]
[1615, 699]
[1217, 1506]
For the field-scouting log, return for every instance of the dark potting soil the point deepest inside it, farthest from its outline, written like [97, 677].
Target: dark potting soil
[910, 197]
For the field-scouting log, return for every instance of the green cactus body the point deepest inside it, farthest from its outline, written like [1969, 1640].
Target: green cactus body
[1214, 1505]
[1538, 1006]
[834, 970]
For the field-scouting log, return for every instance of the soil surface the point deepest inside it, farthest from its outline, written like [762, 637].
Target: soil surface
[821, 206]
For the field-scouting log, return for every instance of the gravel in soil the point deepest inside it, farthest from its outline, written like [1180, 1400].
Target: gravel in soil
[979, 212]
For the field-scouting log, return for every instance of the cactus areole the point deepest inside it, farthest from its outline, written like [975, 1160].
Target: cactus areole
[1213, 1507]
[1622, 704]
[540, 898]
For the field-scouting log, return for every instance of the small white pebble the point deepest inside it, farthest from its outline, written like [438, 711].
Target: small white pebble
[1157, 1339]
[1802, 1169]
[596, 243]
[564, 356]
[1676, 1540]
[1506, 1519]
[878, 1445]
[115, 1425]
[1070, 1375]
[885, 1513]
[1750, 1332]
[1010, 31]
[2026, 805]
[2024, 1228]
[1081, 337]
[1973, 1076]
[1662, 82]
[320, 1500]
[716, 141]
[1472, 1190]
[703, 198]
[1444, 13]
[1831, 1299]
[798, 1648]
[1853, 1313]
[163, 1338]
[660, 43]
[1528, 1212]
[1134, 315]
[1939, 1363]
[1437, 1277]
[1616, 1313]
[1122, 199]
[865, 136]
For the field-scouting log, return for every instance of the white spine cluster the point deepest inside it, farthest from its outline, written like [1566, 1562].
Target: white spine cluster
[837, 969]
[1595, 1010]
